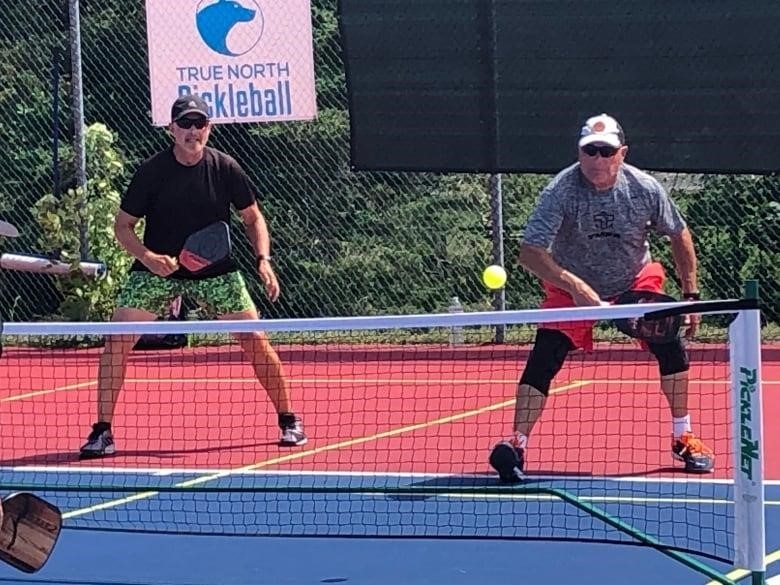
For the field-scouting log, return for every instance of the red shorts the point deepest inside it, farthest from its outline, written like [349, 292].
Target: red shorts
[650, 278]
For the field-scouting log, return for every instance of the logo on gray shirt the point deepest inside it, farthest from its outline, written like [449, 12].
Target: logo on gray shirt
[603, 221]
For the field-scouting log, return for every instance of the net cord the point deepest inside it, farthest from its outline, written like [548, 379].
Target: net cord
[466, 319]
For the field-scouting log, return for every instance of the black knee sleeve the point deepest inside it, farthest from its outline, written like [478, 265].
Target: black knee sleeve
[547, 356]
[672, 357]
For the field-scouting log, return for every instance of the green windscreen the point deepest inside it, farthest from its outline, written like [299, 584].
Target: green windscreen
[470, 85]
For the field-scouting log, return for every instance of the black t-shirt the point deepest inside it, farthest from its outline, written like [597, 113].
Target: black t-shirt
[177, 200]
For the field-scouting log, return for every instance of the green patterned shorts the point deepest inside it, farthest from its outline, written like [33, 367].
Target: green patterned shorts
[215, 296]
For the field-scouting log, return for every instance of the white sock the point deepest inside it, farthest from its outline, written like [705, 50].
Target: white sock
[522, 440]
[681, 425]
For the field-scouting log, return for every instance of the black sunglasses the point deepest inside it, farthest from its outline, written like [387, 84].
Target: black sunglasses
[187, 123]
[604, 151]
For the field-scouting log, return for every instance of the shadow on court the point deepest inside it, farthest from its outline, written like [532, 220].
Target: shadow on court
[65, 457]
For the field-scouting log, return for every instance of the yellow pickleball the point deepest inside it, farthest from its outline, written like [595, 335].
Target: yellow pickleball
[494, 277]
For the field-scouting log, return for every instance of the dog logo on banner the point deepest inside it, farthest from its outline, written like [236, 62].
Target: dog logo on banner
[230, 27]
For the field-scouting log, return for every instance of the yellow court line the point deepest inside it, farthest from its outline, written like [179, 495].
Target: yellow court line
[738, 574]
[315, 451]
[49, 391]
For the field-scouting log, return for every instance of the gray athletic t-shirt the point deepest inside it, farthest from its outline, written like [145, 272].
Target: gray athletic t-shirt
[601, 236]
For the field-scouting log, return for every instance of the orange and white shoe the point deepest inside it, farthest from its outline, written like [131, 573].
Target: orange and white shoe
[698, 458]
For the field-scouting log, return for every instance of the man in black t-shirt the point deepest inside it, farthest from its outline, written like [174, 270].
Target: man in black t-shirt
[179, 191]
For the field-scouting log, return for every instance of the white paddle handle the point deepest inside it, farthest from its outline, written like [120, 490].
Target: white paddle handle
[28, 263]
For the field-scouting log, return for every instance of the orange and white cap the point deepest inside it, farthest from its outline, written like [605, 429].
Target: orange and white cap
[602, 129]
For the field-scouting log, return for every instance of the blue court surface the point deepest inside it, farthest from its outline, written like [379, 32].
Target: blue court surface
[344, 528]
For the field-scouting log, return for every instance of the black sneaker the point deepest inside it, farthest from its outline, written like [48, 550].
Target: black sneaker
[508, 459]
[293, 435]
[99, 443]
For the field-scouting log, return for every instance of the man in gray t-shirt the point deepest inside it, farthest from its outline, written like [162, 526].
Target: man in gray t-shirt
[587, 241]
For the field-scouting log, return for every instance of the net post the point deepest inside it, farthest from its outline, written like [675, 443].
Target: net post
[750, 530]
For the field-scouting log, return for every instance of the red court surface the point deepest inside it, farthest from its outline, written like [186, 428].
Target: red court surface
[396, 409]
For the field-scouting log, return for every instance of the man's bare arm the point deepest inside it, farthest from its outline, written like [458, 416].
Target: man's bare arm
[124, 230]
[684, 255]
[256, 230]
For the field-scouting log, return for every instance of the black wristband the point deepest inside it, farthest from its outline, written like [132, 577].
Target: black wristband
[691, 296]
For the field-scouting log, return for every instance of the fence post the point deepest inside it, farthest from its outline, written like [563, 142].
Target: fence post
[497, 251]
[79, 147]
[55, 122]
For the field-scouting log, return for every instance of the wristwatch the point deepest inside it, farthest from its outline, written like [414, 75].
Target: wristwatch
[262, 257]
[692, 296]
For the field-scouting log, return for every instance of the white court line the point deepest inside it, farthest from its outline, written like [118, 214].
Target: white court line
[163, 471]
[739, 574]
[629, 499]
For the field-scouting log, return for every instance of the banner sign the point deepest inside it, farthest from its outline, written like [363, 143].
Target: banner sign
[250, 60]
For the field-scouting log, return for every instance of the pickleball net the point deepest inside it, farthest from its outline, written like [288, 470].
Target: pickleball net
[402, 412]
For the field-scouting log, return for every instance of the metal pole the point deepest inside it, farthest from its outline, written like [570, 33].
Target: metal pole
[79, 147]
[55, 122]
[492, 135]
[497, 251]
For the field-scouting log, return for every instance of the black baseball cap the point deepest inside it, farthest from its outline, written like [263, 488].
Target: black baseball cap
[189, 104]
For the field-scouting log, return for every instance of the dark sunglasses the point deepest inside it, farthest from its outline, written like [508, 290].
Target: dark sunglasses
[604, 151]
[187, 123]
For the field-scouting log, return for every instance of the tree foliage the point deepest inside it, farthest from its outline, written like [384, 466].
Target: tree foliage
[84, 298]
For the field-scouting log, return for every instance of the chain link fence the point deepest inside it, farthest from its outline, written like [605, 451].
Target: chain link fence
[345, 243]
